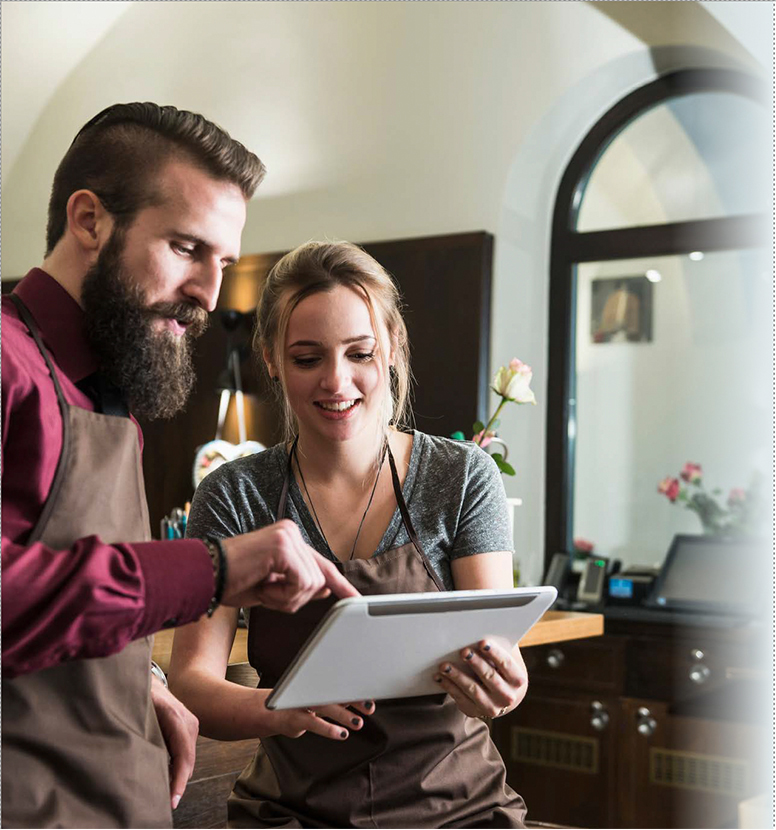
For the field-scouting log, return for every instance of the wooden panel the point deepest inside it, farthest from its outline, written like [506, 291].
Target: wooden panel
[692, 800]
[218, 765]
[663, 668]
[595, 665]
[577, 769]
[446, 285]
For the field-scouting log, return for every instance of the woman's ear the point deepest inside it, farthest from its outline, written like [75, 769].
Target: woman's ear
[268, 362]
[394, 349]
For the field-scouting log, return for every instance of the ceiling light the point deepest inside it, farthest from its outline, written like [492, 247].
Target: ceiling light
[696, 256]
[653, 276]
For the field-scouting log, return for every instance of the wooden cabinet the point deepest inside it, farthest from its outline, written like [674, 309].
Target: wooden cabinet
[644, 727]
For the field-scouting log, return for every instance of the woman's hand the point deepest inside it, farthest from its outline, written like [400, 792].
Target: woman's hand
[293, 723]
[492, 681]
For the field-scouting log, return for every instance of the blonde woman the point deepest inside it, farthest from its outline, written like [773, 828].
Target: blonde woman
[399, 511]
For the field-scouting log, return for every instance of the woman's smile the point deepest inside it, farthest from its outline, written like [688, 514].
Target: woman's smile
[337, 410]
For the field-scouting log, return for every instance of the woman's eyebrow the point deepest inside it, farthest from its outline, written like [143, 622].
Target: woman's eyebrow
[360, 338]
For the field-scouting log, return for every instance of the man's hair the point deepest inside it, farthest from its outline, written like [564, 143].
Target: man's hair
[118, 154]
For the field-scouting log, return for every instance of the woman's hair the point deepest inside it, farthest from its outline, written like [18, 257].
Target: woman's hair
[320, 267]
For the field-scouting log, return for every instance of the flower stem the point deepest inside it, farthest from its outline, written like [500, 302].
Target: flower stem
[493, 418]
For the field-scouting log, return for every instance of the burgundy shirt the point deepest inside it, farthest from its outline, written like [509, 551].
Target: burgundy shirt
[92, 599]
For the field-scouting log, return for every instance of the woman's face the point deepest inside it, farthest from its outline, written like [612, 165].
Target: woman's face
[333, 373]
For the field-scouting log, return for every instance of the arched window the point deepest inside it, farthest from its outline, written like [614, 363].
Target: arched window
[659, 284]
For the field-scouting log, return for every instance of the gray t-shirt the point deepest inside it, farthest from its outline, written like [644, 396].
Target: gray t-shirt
[453, 489]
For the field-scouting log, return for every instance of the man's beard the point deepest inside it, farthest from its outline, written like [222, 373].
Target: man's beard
[152, 367]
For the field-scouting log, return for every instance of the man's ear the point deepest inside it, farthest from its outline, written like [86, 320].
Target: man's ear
[88, 221]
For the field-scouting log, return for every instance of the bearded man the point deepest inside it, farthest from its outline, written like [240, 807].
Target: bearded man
[146, 210]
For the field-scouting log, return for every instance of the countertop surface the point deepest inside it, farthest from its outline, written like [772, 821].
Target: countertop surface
[553, 627]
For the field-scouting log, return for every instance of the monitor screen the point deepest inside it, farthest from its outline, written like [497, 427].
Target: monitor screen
[707, 573]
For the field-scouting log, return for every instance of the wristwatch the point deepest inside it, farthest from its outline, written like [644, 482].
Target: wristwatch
[156, 670]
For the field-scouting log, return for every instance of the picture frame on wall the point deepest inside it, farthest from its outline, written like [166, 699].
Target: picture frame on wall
[621, 310]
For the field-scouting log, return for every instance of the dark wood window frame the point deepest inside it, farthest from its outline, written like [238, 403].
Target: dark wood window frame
[570, 247]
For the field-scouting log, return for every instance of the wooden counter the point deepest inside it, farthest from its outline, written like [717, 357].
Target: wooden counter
[553, 627]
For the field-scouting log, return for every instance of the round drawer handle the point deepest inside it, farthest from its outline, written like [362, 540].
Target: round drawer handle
[600, 718]
[699, 673]
[645, 723]
[555, 658]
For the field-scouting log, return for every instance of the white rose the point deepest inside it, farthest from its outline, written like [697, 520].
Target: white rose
[513, 382]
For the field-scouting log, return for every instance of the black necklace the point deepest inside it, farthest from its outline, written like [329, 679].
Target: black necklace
[315, 514]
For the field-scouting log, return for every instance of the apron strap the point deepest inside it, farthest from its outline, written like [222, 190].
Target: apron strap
[281, 514]
[29, 321]
[405, 514]
[62, 463]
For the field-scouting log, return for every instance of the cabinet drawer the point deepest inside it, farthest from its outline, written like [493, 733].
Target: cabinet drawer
[596, 664]
[682, 669]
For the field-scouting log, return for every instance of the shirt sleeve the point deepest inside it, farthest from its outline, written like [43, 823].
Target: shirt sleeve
[93, 599]
[483, 524]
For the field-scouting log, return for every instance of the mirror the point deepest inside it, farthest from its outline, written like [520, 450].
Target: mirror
[670, 367]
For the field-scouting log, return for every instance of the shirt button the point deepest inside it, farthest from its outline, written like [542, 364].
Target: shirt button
[171, 623]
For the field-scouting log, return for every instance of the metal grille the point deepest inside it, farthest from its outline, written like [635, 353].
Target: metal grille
[692, 771]
[554, 749]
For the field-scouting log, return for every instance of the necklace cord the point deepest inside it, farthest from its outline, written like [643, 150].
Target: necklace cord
[312, 505]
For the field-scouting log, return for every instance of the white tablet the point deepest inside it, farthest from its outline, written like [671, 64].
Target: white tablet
[387, 646]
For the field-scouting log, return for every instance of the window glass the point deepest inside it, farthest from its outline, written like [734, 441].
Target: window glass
[697, 156]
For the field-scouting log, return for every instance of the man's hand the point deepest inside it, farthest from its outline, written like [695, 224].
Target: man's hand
[179, 729]
[274, 567]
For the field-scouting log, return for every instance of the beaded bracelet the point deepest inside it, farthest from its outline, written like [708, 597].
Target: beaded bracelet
[217, 555]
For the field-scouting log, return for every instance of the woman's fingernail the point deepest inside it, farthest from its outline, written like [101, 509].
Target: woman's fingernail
[468, 655]
[447, 669]
[176, 800]
[355, 721]
[343, 734]
[437, 678]
[486, 647]
[369, 704]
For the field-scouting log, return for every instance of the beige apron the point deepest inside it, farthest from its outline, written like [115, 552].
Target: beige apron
[81, 743]
[417, 762]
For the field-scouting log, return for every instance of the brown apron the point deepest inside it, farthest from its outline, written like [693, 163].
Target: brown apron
[81, 743]
[416, 762]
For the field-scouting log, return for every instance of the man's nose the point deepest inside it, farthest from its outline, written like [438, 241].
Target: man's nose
[205, 285]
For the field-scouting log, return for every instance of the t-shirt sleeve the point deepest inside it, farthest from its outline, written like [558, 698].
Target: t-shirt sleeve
[483, 524]
[214, 510]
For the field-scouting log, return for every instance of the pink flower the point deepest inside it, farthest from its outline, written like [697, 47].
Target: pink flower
[737, 496]
[669, 487]
[483, 441]
[691, 473]
[583, 545]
